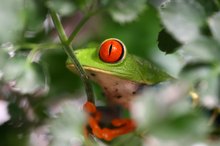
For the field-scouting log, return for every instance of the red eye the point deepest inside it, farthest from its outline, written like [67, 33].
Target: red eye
[111, 51]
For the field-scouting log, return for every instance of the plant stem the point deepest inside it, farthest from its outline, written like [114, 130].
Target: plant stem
[32, 46]
[68, 49]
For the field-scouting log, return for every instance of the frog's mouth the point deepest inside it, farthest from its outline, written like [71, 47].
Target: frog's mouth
[88, 69]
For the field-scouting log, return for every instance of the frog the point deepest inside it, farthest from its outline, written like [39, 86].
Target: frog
[121, 76]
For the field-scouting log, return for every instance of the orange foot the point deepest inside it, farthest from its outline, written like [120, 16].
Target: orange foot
[121, 126]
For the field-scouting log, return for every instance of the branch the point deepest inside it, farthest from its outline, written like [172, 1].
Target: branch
[69, 51]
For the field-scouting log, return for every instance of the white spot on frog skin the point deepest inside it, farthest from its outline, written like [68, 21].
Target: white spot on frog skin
[117, 90]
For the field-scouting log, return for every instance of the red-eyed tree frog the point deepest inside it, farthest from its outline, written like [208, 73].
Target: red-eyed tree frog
[120, 76]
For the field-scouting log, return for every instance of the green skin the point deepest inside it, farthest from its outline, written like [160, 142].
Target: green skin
[122, 80]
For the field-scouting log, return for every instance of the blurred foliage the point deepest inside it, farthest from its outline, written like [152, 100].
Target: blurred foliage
[181, 36]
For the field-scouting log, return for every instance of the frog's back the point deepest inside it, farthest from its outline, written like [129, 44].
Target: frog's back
[147, 72]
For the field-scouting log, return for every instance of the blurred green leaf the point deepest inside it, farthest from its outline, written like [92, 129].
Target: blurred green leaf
[81, 4]
[67, 7]
[3, 58]
[201, 49]
[35, 14]
[20, 16]
[203, 77]
[182, 126]
[67, 128]
[193, 66]
[183, 19]
[123, 11]
[210, 6]
[25, 77]
[62, 81]
[214, 23]
[12, 20]
[167, 43]
[166, 113]
[130, 139]
[13, 135]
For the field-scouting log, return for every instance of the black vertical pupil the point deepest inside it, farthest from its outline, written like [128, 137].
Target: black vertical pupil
[110, 50]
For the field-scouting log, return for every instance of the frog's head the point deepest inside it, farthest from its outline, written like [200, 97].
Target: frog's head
[111, 58]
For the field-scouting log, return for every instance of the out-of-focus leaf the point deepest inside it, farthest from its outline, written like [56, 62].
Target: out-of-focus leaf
[62, 81]
[183, 19]
[199, 75]
[27, 78]
[203, 77]
[167, 43]
[123, 11]
[130, 139]
[13, 135]
[81, 4]
[35, 12]
[214, 23]
[202, 49]
[12, 20]
[3, 58]
[17, 15]
[195, 65]
[155, 3]
[164, 3]
[67, 7]
[166, 113]
[210, 7]
[67, 128]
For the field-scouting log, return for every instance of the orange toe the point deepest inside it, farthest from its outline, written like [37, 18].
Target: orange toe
[89, 107]
[96, 130]
[119, 122]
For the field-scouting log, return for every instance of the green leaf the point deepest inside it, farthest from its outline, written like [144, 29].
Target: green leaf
[123, 11]
[167, 114]
[17, 15]
[209, 6]
[35, 13]
[14, 135]
[134, 140]
[203, 77]
[26, 78]
[3, 58]
[202, 49]
[62, 81]
[214, 23]
[12, 20]
[183, 19]
[67, 128]
[67, 7]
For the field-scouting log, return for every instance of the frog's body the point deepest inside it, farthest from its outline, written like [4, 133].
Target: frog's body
[120, 75]
[120, 81]
[117, 90]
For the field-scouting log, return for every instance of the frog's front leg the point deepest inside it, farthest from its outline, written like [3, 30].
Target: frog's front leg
[120, 126]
